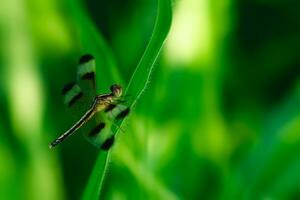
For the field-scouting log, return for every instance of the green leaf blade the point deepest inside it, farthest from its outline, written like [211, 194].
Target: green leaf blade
[140, 77]
[135, 88]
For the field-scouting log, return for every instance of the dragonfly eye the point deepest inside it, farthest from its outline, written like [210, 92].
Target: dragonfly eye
[116, 90]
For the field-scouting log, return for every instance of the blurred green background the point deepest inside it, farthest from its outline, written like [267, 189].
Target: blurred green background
[220, 118]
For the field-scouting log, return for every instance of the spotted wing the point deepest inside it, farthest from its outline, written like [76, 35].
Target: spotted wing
[102, 135]
[84, 86]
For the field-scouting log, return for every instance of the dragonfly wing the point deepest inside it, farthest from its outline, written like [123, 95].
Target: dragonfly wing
[86, 68]
[72, 93]
[118, 112]
[84, 87]
[98, 131]
[101, 135]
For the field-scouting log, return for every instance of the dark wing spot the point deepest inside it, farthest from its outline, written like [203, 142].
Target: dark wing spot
[110, 107]
[88, 76]
[108, 143]
[68, 87]
[97, 129]
[123, 114]
[75, 99]
[85, 58]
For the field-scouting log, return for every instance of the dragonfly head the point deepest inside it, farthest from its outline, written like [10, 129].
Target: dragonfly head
[116, 90]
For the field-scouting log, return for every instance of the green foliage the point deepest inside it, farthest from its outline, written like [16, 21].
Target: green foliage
[214, 116]
[136, 86]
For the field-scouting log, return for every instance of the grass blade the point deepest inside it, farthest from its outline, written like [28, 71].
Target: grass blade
[135, 88]
[140, 77]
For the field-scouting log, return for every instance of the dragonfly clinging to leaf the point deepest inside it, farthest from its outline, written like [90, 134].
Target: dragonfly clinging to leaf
[106, 108]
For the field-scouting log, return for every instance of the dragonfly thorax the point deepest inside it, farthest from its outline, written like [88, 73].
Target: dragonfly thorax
[101, 102]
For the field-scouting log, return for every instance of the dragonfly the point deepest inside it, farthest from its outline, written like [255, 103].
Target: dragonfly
[105, 109]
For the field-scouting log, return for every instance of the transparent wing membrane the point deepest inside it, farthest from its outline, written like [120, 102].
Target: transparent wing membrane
[86, 69]
[72, 93]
